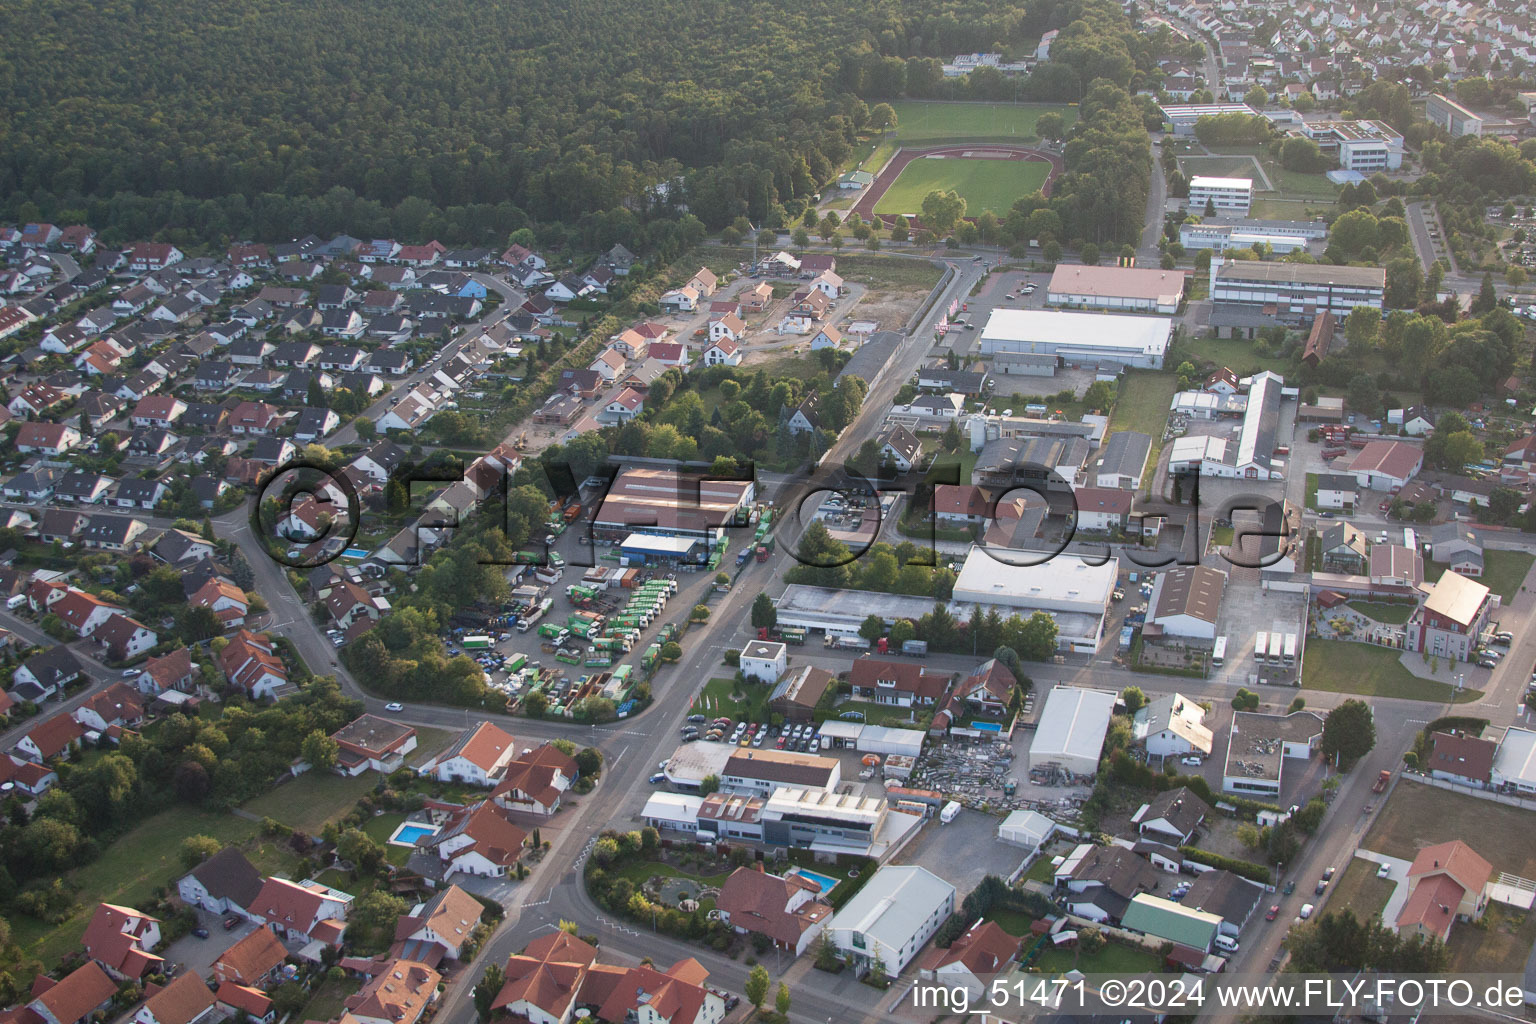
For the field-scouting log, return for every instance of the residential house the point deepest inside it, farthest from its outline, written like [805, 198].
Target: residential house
[785, 909]
[796, 694]
[46, 438]
[479, 756]
[250, 663]
[447, 920]
[1458, 547]
[303, 911]
[478, 840]
[899, 448]
[1344, 549]
[1447, 882]
[533, 783]
[1336, 491]
[187, 1000]
[726, 352]
[892, 917]
[369, 741]
[1171, 817]
[117, 705]
[72, 1000]
[626, 405]
[1099, 882]
[1461, 758]
[122, 941]
[1173, 726]
[898, 683]
[124, 637]
[982, 953]
[50, 738]
[1103, 509]
[224, 883]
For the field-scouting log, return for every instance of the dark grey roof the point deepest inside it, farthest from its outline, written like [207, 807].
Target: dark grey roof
[1221, 892]
[1125, 453]
[53, 666]
[228, 875]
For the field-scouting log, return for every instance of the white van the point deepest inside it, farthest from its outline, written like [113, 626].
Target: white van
[1226, 944]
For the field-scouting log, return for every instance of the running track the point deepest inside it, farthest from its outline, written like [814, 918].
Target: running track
[865, 207]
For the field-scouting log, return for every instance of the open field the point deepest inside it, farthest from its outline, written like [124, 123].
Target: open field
[1289, 209]
[1503, 571]
[1142, 403]
[140, 862]
[1344, 667]
[1237, 354]
[1417, 816]
[919, 122]
[1221, 167]
[1383, 611]
[984, 184]
[312, 799]
[1115, 958]
[1358, 889]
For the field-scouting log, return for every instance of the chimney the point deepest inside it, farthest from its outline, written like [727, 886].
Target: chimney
[759, 866]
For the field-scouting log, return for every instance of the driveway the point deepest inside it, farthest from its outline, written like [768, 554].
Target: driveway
[938, 848]
[195, 955]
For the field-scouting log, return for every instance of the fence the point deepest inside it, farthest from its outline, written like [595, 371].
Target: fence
[1508, 799]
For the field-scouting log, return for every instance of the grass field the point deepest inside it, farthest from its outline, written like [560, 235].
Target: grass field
[984, 184]
[1503, 571]
[1221, 167]
[312, 799]
[1419, 816]
[1501, 943]
[1142, 403]
[1237, 354]
[1383, 611]
[1343, 667]
[1358, 889]
[919, 123]
[1117, 959]
[142, 861]
[1011, 921]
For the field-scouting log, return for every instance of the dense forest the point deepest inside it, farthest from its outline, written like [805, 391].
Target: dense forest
[466, 119]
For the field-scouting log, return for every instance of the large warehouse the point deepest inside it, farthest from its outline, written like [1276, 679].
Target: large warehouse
[842, 612]
[1127, 289]
[1182, 117]
[1067, 588]
[666, 502]
[1101, 340]
[1072, 729]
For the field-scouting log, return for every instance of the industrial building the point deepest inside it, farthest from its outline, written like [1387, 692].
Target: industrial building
[758, 772]
[1250, 295]
[1514, 766]
[1251, 455]
[892, 917]
[1186, 602]
[1124, 289]
[1181, 118]
[1452, 116]
[1225, 197]
[1068, 588]
[832, 823]
[1071, 731]
[1221, 237]
[1384, 465]
[669, 502]
[841, 612]
[1259, 746]
[1039, 340]
[1124, 460]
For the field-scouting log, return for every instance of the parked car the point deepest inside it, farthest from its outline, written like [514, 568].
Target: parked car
[1322, 887]
[1385, 871]
[1192, 761]
[658, 778]
[1306, 911]
[1272, 913]
[231, 922]
[394, 706]
[1487, 663]
[697, 718]
[201, 933]
[1289, 887]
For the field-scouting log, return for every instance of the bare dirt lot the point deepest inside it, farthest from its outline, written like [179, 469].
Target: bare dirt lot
[1419, 816]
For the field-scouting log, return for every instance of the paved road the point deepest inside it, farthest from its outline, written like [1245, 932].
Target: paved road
[99, 674]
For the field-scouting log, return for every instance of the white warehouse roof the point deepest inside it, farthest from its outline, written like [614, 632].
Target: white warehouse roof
[1072, 728]
[1130, 335]
[894, 905]
[1515, 761]
[1065, 583]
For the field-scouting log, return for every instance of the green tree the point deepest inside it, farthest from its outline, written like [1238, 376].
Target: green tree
[1364, 396]
[1135, 699]
[1256, 97]
[756, 988]
[709, 784]
[1487, 299]
[1090, 254]
[1361, 325]
[882, 117]
[781, 1001]
[320, 751]
[764, 614]
[1050, 126]
[700, 613]
[196, 849]
[359, 848]
[872, 628]
[942, 210]
[373, 915]
[1514, 275]
[535, 703]
[1349, 733]
[487, 989]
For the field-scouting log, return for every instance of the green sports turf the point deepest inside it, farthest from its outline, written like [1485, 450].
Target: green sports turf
[986, 184]
[921, 123]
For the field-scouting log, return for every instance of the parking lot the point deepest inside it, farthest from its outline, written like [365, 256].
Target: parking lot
[196, 956]
[962, 852]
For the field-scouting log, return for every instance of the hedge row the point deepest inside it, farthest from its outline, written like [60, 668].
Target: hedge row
[1246, 868]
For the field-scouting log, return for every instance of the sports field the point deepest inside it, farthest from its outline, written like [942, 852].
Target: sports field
[986, 184]
[918, 122]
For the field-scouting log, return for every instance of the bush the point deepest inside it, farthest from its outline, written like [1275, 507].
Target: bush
[1246, 869]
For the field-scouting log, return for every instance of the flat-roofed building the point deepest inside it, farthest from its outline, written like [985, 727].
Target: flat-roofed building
[1366, 146]
[761, 771]
[1182, 117]
[1514, 766]
[1452, 116]
[1078, 339]
[1219, 237]
[1125, 289]
[1293, 293]
[1259, 745]
[1227, 197]
[1069, 588]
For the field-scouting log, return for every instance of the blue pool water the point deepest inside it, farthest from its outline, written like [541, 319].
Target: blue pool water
[355, 553]
[827, 884]
[986, 727]
[409, 832]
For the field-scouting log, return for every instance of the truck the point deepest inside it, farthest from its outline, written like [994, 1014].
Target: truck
[793, 635]
[1381, 780]
[553, 630]
[476, 643]
[847, 643]
[950, 812]
[882, 645]
[527, 622]
[742, 556]
[915, 648]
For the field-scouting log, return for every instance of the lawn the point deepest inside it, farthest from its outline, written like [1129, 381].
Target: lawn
[429, 743]
[143, 860]
[312, 799]
[1359, 889]
[327, 1001]
[1340, 666]
[1220, 167]
[1237, 354]
[1418, 815]
[1383, 611]
[1141, 403]
[882, 714]
[1011, 921]
[883, 274]
[1500, 945]
[1289, 209]
[379, 828]
[920, 123]
[716, 699]
[984, 184]
[1503, 571]
[642, 871]
[966, 460]
[1311, 498]
[1120, 960]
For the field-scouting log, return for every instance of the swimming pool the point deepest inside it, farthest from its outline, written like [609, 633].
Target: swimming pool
[410, 832]
[355, 553]
[826, 883]
[986, 727]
